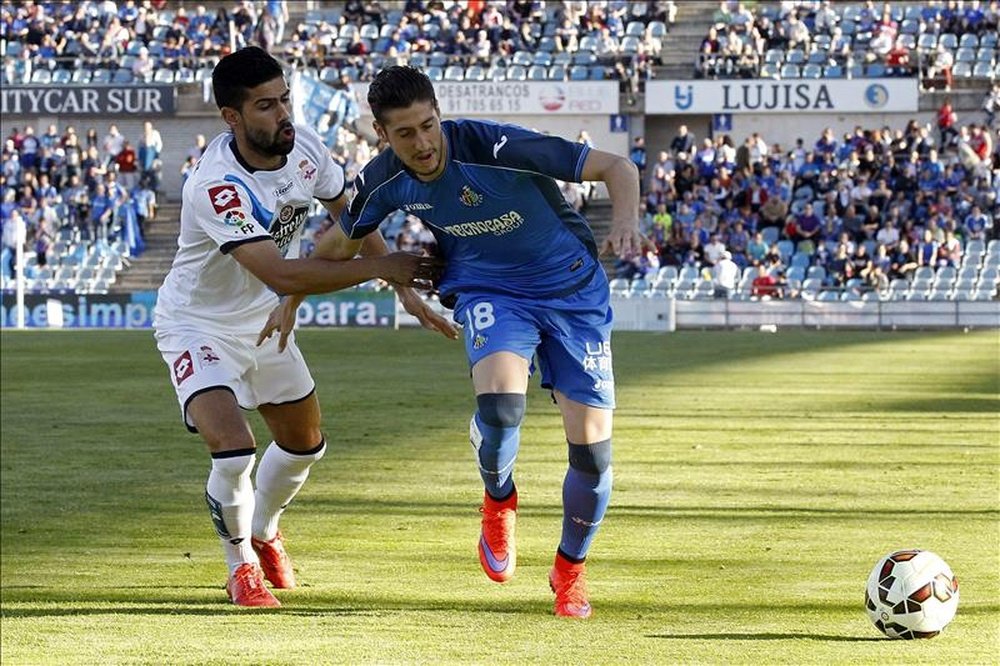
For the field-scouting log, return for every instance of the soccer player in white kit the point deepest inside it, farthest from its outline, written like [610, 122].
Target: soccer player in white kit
[242, 215]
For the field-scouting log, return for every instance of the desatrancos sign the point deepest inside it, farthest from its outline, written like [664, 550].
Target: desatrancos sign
[87, 100]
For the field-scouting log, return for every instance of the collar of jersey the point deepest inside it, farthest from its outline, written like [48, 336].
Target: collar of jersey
[246, 165]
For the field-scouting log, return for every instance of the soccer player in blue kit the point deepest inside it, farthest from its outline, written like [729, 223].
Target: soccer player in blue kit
[526, 285]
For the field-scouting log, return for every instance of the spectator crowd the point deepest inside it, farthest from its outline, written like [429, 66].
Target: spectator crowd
[856, 211]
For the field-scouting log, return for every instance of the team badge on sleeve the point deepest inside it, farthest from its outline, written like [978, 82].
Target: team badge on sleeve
[224, 197]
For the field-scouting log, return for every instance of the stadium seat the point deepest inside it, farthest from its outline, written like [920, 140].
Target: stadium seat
[454, 73]
[542, 59]
[948, 40]
[666, 274]
[790, 71]
[833, 72]
[875, 70]
[968, 40]
[495, 73]
[523, 58]
[619, 287]
[537, 73]
[638, 288]
[557, 73]
[475, 73]
[983, 70]
[517, 73]
[812, 71]
[579, 73]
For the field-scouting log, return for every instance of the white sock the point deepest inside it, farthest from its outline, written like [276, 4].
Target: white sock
[229, 493]
[280, 475]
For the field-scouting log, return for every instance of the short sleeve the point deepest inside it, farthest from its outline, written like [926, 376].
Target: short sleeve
[368, 203]
[330, 175]
[519, 148]
[225, 215]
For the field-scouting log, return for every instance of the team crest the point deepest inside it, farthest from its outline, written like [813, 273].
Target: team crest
[307, 170]
[479, 341]
[286, 213]
[207, 356]
[470, 197]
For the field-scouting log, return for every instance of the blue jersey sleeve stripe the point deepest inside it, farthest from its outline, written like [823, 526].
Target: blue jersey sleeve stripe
[261, 214]
[578, 172]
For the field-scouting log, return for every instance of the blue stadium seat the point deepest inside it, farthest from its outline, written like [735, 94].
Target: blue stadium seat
[537, 73]
[927, 41]
[557, 73]
[542, 59]
[968, 40]
[475, 73]
[790, 71]
[496, 73]
[965, 55]
[962, 70]
[454, 73]
[517, 73]
[579, 73]
[983, 70]
[875, 70]
[598, 73]
[812, 71]
[949, 41]
[833, 72]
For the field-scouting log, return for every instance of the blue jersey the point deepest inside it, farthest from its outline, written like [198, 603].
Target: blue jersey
[498, 216]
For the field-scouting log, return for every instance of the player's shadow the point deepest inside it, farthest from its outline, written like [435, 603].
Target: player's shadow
[765, 636]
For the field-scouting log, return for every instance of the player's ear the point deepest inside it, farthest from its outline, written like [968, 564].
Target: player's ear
[231, 116]
[380, 131]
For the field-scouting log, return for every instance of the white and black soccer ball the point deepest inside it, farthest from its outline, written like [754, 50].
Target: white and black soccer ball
[911, 594]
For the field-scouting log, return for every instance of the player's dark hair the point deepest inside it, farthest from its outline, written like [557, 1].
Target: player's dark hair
[241, 70]
[398, 87]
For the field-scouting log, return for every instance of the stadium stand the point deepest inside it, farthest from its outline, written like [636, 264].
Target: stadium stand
[808, 39]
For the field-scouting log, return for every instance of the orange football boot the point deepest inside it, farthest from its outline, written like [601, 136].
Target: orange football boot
[275, 562]
[246, 588]
[497, 553]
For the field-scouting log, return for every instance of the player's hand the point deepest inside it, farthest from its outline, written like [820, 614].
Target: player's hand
[403, 269]
[281, 319]
[428, 318]
[626, 242]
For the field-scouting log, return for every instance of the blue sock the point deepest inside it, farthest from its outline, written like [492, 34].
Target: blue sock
[495, 434]
[586, 493]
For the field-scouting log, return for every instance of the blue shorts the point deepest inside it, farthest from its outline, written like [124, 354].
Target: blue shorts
[570, 337]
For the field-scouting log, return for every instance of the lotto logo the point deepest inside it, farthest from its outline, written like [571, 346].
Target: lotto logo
[183, 368]
[223, 197]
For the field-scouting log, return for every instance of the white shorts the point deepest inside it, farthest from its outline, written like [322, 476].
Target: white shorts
[200, 361]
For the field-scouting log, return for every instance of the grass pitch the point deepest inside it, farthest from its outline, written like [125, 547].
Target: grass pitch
[758, 478]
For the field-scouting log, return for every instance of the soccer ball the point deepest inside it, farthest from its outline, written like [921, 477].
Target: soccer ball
[911, 594]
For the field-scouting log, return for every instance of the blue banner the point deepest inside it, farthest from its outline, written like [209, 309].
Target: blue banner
[135, 310]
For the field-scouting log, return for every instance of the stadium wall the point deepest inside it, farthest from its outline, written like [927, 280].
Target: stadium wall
[367, 308]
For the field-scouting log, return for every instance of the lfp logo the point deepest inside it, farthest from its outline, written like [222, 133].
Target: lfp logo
[876, 95]
[683, 99]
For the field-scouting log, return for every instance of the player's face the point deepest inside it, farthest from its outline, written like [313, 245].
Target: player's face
[414, 133]
[266, 119]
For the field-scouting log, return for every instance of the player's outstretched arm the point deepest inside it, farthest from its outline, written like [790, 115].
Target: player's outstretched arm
[622, 178]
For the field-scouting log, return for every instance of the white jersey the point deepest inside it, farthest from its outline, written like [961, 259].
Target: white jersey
[226, 203]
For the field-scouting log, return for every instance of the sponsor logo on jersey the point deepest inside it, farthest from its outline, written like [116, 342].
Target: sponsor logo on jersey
[223, 198]
[499, 144]
[183, 368]
[207, 356]
[307, 170]
[597, 356]
[284, 188]
[470, 197]
[288, 221]
[417, 206]
[498, 226]
[235, 218]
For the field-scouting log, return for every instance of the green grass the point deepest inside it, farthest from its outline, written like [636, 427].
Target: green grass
[758, 478]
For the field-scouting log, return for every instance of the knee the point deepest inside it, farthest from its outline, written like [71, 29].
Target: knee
[591, 458]
[501, 410]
